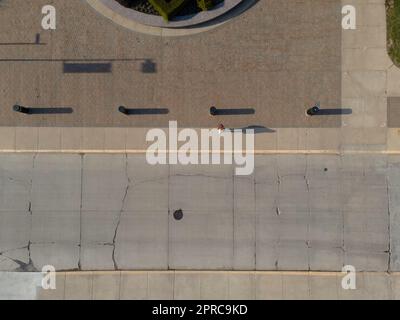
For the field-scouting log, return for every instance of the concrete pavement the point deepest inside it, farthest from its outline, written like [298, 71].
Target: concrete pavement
[291, 215]
[296, 212]
[198, 285]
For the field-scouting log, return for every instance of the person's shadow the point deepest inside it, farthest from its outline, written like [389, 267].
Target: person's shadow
[256, 129]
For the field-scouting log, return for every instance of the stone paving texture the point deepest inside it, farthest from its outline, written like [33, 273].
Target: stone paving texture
[273, 57]
[366, 85]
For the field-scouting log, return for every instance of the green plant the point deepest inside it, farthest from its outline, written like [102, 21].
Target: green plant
[167, 8]
[205, 4]
[393, 29]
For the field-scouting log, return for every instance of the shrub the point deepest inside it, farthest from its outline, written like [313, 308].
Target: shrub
[205, 4]
[393, 21]
[167, 8]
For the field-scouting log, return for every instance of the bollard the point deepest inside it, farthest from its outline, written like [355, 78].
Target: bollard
[123, 110]
[21, 109]
[314, 110]
[213, 111]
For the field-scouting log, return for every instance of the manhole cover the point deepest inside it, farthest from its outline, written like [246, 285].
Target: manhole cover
[178, 215]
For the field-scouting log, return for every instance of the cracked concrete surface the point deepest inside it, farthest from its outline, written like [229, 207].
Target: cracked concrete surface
[108, 212]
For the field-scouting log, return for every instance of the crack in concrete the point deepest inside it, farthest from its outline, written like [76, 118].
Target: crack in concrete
[12, 249]
[277, 202]
[128, 185]
[23, 267]
[309, 214]
[389, 224]
[43, 242]
[144, 181]
[201, 175]
[343, 247]
[21, 182]
[107, 244]
[278, 182]
[80, 214]
[30, 266]
[31, 183]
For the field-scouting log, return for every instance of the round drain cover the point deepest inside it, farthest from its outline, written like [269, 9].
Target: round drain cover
[178, 214]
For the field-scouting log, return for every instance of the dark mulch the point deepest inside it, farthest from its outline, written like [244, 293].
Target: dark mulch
[145, 7]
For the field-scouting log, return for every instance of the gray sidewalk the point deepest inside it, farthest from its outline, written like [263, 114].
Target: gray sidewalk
[196, 285]
[107, 212]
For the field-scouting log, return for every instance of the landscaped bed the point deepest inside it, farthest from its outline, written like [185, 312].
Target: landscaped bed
[393, 21]
[170, 8]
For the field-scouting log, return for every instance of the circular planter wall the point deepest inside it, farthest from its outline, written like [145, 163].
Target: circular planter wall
[154, 24]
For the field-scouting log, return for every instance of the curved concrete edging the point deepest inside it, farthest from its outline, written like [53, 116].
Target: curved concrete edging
[127, 18]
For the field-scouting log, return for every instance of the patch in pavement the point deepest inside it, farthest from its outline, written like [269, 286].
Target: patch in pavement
[87, 67]
[393, 112]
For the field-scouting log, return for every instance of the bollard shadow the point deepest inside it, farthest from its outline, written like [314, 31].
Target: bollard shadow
[257, 129]
[37, 42]
[143, 111]
[87, 67]
[234, 112]
[148, 66]
[333, 112]
[50, 110]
